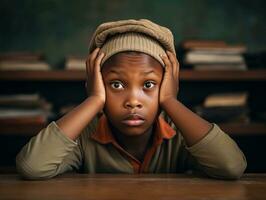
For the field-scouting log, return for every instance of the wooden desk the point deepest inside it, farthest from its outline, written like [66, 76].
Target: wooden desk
[102, 186]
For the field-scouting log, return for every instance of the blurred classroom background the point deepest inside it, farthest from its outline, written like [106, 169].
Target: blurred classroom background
[221, 46]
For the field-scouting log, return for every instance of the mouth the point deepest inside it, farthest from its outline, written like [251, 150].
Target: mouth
[133, 120]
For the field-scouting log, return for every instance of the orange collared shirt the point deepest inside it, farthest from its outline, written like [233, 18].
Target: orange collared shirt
[162, 131]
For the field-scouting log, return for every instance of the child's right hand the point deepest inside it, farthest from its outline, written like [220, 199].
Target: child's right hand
[95, 84]
[77, 119]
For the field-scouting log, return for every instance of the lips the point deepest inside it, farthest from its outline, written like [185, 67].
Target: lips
[133, 120]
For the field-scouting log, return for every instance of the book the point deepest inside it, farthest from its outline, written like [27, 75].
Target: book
[23, 61]
[213, 55]
[36, 119]
[225, 107]
[221, 66]
[226, 99]
[215, 46]
[15, 113]
[23, 65]
[223, 49]
[24, 105]
[19, 98]
[189, 44]
[224, 114]
[24, 101]
[75, 63]
[203, 58]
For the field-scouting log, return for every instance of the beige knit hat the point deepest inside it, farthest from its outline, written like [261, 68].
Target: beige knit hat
[132, 35]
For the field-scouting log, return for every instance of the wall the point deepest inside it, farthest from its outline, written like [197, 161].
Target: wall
[60, 28]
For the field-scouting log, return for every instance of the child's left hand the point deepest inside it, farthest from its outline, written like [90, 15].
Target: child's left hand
[170, 83]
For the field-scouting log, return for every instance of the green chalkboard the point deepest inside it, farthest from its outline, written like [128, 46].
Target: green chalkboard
[58, 28]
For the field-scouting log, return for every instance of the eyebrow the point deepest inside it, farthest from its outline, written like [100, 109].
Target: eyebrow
[115, 72]
[149, 72]
[121, 72]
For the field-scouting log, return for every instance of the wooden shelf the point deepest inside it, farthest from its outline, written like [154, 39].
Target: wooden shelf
[232, 75]
[18, 128]
[53, 75]
[254, 128]
[31, 129]
[185, 75]
[8, 169]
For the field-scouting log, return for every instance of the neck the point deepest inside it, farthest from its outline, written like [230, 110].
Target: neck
[135, 145]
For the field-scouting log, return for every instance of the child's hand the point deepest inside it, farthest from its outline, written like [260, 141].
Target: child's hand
[170, 83]
[95, 85]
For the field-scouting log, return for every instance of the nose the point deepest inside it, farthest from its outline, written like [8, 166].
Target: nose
[133, 100]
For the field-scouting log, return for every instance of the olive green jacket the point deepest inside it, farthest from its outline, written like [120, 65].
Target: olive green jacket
[51, 153]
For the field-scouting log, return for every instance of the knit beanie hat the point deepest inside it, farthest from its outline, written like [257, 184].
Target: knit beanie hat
[132, 35]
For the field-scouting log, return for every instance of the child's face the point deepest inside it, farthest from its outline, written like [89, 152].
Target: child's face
[132, 83]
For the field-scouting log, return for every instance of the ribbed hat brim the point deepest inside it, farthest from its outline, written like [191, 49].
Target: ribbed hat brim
[132, 42]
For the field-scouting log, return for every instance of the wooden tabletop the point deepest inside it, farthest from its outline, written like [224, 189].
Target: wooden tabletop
[150, 186]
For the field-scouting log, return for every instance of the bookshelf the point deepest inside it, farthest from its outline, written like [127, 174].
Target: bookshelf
[69, 76]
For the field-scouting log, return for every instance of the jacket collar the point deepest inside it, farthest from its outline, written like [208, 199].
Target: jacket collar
[103, 133]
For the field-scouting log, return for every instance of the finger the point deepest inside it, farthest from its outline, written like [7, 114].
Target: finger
[87, 64]
[93, 57]
[88, 76]
[88, 72]
[167, 63]
[173, 61]
[89, 69]
[88, 61]
[177, 69]
[98, 62]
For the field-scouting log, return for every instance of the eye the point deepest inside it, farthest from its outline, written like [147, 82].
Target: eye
[149, 84]
[117, 85]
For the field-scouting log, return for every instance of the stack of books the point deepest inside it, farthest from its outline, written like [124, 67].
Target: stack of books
[75, 63]
[225, 107]
[23, 61]
[24, 108]
[213, 55]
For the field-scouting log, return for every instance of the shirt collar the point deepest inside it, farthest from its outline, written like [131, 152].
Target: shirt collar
[103, 133]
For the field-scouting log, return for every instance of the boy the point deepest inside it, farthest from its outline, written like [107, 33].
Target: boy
[132, 74]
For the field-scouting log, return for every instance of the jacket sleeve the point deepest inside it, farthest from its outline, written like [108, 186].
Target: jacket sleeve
[218, 156]
[48, 154]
